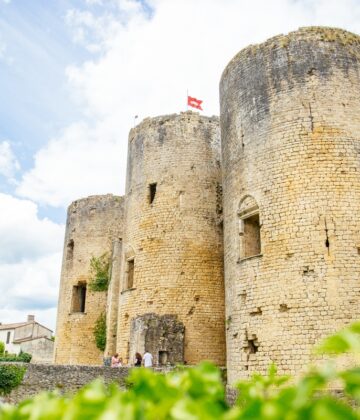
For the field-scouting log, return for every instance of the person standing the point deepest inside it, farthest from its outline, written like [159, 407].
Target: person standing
[148, 359]
[115, 361]
[138, 360]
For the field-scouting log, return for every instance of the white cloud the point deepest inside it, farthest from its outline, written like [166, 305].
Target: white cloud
[147, 56]
[22, 234]
[83, 161]
[30, 261]
[9, 165]
[30, 287]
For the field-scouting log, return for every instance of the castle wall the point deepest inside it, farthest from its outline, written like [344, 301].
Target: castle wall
[172, 250]
[112, 306]
[290, 123]
[93, 223]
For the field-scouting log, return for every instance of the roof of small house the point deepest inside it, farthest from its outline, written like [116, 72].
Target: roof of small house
[22, 340]
[13, 326]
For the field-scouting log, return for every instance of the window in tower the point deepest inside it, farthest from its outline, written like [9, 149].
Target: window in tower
[78, 298]
[152, 192]
[130, 273]
[249, 228]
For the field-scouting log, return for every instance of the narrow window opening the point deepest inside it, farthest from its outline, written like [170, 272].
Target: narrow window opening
[163, 357]
[152, 191]
[252, 346]
[8, 337]
[130, 273]
[79, 298]
[327, 242]
[249, 228]
[252, 245]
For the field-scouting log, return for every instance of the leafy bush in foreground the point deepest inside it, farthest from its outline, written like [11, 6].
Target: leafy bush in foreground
[198, 393]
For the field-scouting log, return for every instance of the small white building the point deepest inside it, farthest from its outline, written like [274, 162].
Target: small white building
[30, 337]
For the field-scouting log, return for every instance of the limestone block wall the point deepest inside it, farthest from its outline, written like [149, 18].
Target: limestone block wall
[41, 349]
[112, 306]
[93, 223]
[172, 249]
[65, 379]
[162, 336]
[290, 123]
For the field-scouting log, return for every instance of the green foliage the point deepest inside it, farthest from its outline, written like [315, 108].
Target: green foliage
[10, 377]
[100, 332]
[2, 348]
[198, 393]
[25, 357]
[21, 357]
[99, 272]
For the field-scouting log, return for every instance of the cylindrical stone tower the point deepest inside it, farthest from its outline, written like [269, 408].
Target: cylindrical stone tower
[172, 253]
[290, 123]
[93, 223]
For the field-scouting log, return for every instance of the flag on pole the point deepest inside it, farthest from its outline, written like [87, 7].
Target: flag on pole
[195, 103]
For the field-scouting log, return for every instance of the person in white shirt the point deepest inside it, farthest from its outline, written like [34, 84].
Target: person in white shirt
[147, 359]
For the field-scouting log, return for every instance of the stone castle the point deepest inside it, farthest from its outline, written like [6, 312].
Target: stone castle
[241, 251]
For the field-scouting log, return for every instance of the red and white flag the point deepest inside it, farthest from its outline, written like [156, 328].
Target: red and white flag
[195, 103]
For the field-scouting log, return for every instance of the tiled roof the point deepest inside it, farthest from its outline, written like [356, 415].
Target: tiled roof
[13, 326]
[21, 340]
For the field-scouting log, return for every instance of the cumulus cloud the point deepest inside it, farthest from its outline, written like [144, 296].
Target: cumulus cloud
[83, 161]
[22, 234]
[146, 56]
[9, 165]
[31, 284]
[30, 261]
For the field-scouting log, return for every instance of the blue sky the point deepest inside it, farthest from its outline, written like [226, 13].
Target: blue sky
[38, 48]
[73, 73]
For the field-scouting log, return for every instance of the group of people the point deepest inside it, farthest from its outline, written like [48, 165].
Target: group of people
[146, 360]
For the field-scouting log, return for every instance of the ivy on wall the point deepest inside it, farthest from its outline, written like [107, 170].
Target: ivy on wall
[100, 332]
[99, 273]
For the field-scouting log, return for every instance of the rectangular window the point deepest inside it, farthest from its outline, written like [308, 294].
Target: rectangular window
[130, 274]
[152, 192]
[252, 245]
[8, 337]
[78, 298]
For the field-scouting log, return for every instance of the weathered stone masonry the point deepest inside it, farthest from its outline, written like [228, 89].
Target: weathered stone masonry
[290, 123]
[173, 236]
[168, 262]
[93, 224]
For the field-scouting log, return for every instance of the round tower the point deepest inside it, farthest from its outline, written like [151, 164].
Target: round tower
[93, 223]
[172, 293]
[290, 123]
